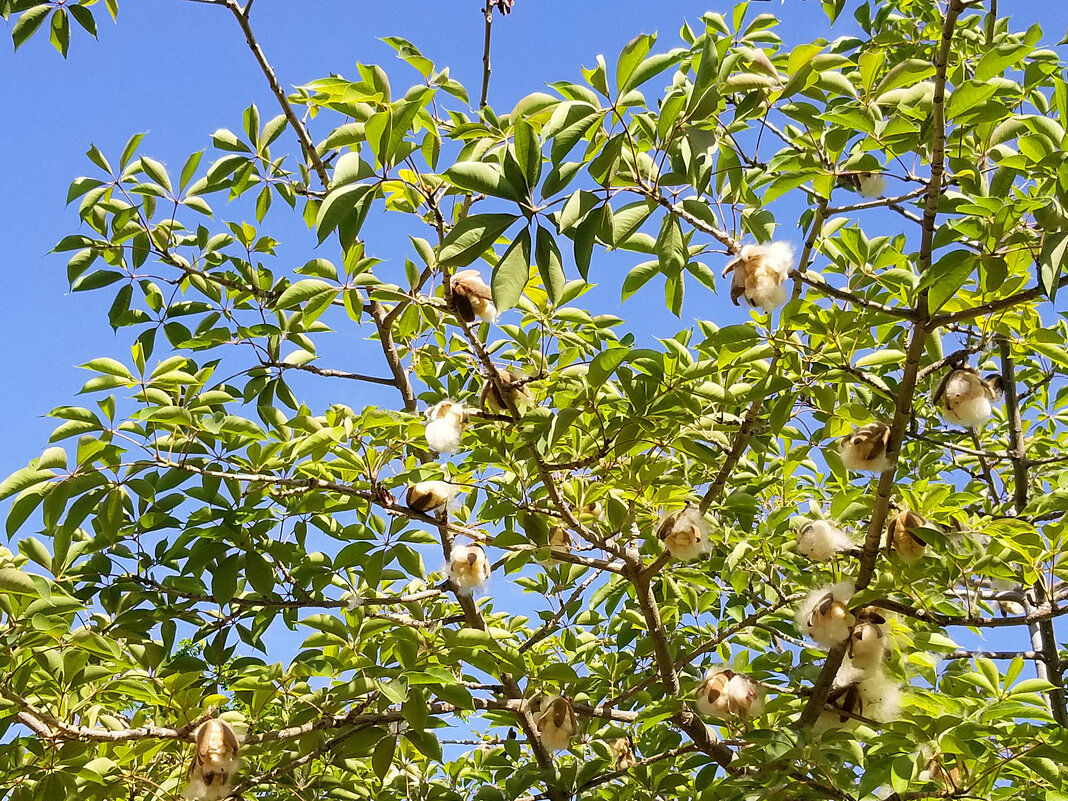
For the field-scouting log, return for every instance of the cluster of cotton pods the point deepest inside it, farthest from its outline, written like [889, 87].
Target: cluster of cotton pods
[726, 695]
[861, 687]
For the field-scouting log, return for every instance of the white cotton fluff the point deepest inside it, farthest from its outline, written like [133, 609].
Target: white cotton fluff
[966, 400]
[864, 449]
[469, 568]
[845, 695]
[724, 694]
[760, 272]
[555, 722]
[684, 534]
[824, 616]
[820, 540]
[445, 426]
[869, 694]
[872, 185]
[198, 790]
[485, 310]
[881, 696]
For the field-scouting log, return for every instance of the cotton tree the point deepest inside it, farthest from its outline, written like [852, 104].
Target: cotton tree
[234, 526]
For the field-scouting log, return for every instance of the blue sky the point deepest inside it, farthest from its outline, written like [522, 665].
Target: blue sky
[179, 70]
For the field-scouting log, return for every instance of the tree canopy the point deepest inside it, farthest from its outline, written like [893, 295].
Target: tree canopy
[805, 549]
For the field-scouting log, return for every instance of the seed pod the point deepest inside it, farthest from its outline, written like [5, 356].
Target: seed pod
[864, 449]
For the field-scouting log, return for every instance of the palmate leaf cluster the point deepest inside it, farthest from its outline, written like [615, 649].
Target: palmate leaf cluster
[223, 524]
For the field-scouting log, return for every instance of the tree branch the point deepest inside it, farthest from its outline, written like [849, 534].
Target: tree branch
[1043, 635]
[330, 373]
[903, 411]
[294, 121]
[1044, 611]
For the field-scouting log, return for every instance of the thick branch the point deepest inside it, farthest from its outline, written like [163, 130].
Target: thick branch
[1043, 635]
[61, 729]
[389, 350]
[903, 412]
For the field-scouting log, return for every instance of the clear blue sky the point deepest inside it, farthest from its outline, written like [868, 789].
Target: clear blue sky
[179, 70]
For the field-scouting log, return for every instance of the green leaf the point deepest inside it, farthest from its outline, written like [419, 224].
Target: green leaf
[1051, 262]
[84, 17]
[304, 291]
[470, 238]
[224, 580]
[189, 169]
[382, 757]
[585, 237]
[946, 276]
[342, 204]
[22, 479]
[569, 123]
[881, 357]
[638, 277]
[259, 573]
[28, 23]
[968, 96]
[54, 457]
[415, 710]
[653, 66]
[225, 139]
[627, 220]
[17, 582]
[527, 151]
[109, 367]
[671, 247]
[511, 272]
[1031, 686]
[157, 172]
[59, 35]
[129, 150]
[604, 364]
[631, 56]
[674, 288]
[905, 73]
[550, 264]
[478, 176]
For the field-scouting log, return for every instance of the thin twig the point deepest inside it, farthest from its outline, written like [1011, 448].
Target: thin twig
[486, 69]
